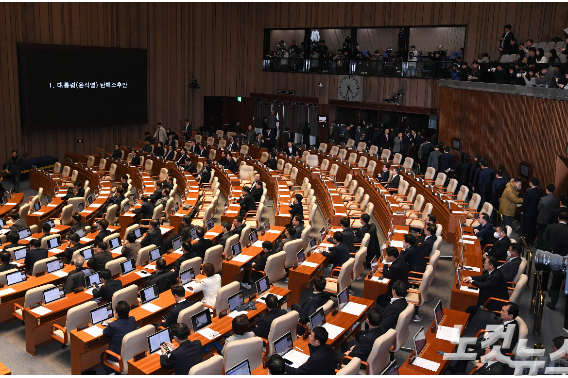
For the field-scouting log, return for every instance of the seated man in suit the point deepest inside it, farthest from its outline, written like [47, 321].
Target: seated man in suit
[201, 244]
[289, 233]
[491, 284]
[232, 145]
[178, 293]
[117, 153]
[46, 229]
[168, 183]
[171, 154]
[100, 257]
[395, 179]
[73, 245]
[223, 161]
[364, 229]
[362, 344]
[153, 236]
[383, 176]
[157, 195]
[35, 254]
[412, 254]
[484, 231]
[318, 299]
[188, 254]
[246, 201]
[231, 164]
[116, 331]
[76, 278]
[429, 239]
[490, 364]
[13, 238]
[147, 209]
[262, 325]
[298, 223]
[225, 232]
[17, 223]
[135, 159]
[102, 226]
[163, 278]
[185, 356]
[76, 222]
[259, 265]
[238, 225]
[272, 163]
[205, 175]
[296, 206]
[257, 190]
[147, 146]
[396, 269]
[430, 220]
[397, 304]
[5, 258]
[109, 286]
[321, 356]
[76, 191]
[338, 254]
[511, 267]
[500, 245]
[348, 235]
[116, 199]
[131, 247]
[291, 149]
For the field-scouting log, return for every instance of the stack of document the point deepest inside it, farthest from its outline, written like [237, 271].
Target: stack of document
[208, 333]
[242, 258]
[449, 334]
[297, 358]
[94, 331]
[150, 307]
[354, 308]
[332, 330]
[426, 364]
[470, 289]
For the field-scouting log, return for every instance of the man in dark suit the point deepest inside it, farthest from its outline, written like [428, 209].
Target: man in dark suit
[511, 267]
[223, 161]
[321, 356]
[546, 205]
[270, 139]
[231, 164]
[491, 284]
[116, 199]
[435, 157]
[73, 245]
[318, 299]
[233, 146]
[397, 304]
[185, 356]
[363, 230]
[100, 257]
[163, 278]
[506, 38]
[109, 287]
[384, 140]
[287, 136]
[272, 163]
[188, 254]
[447, 160]
[117, 153]
[362, 344]
[491, 366]
[256, 191]
[13, 238]
[484, 231]
[147, 209]
[76, 222]
[338, 254]
[259, 265]
[383, 176]
[500, 245]
[395, 270]
[291, 149]
[5, 259]
[171, 154]
[412, 254]
[529, 209]
[34, 255]
[201, 244]
[563, 208]
[153, 236]
[117, 330]
[103, 232]
[178, 293]
[246, 201]
[225, 232]
[76, 278]
[348, 234]
[298, 223]
[131, 247]
[395, 179]
[135, 159]
[556, 241]
[262, 325]
[296, 207]
[429, 239]
[17, 223]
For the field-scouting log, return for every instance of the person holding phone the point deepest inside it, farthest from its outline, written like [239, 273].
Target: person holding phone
[185, 356]
[108, 288]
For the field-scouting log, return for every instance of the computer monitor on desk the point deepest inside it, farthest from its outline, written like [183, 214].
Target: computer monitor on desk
[262, 285]
[148, 294]
[235, 301]
[101, 314]
[127, 266]
[439, 313]
[201, 320]
[157, 339]
[242, 368]
[236, 249]
[419, 341]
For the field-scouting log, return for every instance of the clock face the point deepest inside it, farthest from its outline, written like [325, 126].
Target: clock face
[350, 88]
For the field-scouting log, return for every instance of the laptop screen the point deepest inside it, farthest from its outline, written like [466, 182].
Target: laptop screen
[157, 339]
[236, 249]
[343, 297]
[419, 341]
[262, 285]
[149, 294]
[439, 312]
[126, 207]
[114, 243]
[20, 253]
[2, 223]
[194, 233]
[266, 226]
[155, 254]
[37, 206]
[283, 344]
[100, 314]
[90, 280]
[235, 300]
[16, 277]
[80, 206]
[81, 232]
[317, 318]
[201, 320]
[240, 369]
[51, 295]
[253, 237]
[375, 264]
[313, 243]
[186, 276]
[301, 256]
[127, 267]
[87, 253]
[176, 243]
[392, 369]
[54, 265]
[48, 199]
[138, 233]
[54, 243]
[89, 200]
[50, 222]
[210, 223]
[25, 233]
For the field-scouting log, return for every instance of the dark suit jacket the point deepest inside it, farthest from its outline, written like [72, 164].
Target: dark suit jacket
[233, 147]
[101, 235]
[286, 137]
[299, 230]
[247, 203]
[98, 261]
[68, 253]
[496, 368]
[555, 238]
[183, 358]
[107, 290]
[170, 155]
[76, 279]
[256, 194]
[117, 154]
[19, 225]
[174, 312]
[296, 209]
[311, 305]
[33, 256]
[554, 214]
[164, 280]
[200, 246]
[130, 251]
[500, 248]
[338, 254]
[260, 264]
[391, 313]
[153, 237]
[77, 226]
[7, 266]
[262, 325]
[510, 268]
[485, 234]
[545, 207]
[393, 183]
[294, 152]
[361, 232]
[272, 163]
[320, 362]
[365, 343]
[349, 239]
[135, 160]
[398, 270]
[383, 176]
[426, 246]
[147, 210]
[232, 166]
[414, 259]
[117, 330]
[491, 285]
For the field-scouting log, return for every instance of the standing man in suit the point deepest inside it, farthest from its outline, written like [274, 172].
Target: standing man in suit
[262, 326]
[131, 247]
[318, 299]
[484, 183]
[545, 207]
[491, 284]
[15, 166]
[396, 269]
[188, 254]
[178, 293]
[362, 344]
[395, 179]
[117, 330]
[246, 201]
[100, 257]
[109, 287]
[201, 244]
[434, 157]
[187, 129]
[321, 356]
[363, 230]
[153, 236]
[484, 231]
[397, 304]
[563, 208]
[160, 135]
[103, 232]
[500, 245]
[296, 207]
[185, 356]
[447, 161]
[338, 254]
[147, 209]
[384, 140]
[271, 121]
[270, 139]
[555, 240]
[287, 136]
[506, 38]
[511, 267]
[412, 254]
[34, 255]
[529, 209]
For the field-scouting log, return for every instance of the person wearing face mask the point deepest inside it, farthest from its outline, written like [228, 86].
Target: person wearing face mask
[510, 268]
[483, 231]
[500, 246]
[509, 201]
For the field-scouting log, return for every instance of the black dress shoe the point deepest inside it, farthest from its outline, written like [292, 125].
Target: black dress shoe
[550, 306]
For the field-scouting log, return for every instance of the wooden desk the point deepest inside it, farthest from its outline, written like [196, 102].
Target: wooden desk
[151, 363]
[4, 370]
[40, 180]
[47, 211]
[472, 254]
[12, 204]
[433, 345]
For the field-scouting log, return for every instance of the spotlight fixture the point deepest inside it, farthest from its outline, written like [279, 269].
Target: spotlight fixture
[193, 84]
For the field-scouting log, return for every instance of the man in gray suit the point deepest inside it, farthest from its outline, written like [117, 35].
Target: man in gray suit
[546, 206]
[434, 158]
[271, 120]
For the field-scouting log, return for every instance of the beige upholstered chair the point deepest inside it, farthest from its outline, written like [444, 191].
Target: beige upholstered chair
[352, 368]
[214, 255]
[385, 155]
[279, 327]
[144, 255]
[32, 296]
[245, 233]
[128, 294]
[419, 222]
[75, 315]
[472, 217]
[360, 257]
[44, 241]
[41, 265]
[114, 265]
[5, 273]
[211, 366]
[408, 163]
[132, 343]
[274, 269]
[185, 315]
[403, 327]
[292, 248]
[350, 143]
[322, 147]
[221, 303]
[397, 159]
[361, 146]
[229, 244]
[237, 351]
[194, 263]
[418, 297]
[344, 279]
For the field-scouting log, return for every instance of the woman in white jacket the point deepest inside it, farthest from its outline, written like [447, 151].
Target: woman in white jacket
[209, 286]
